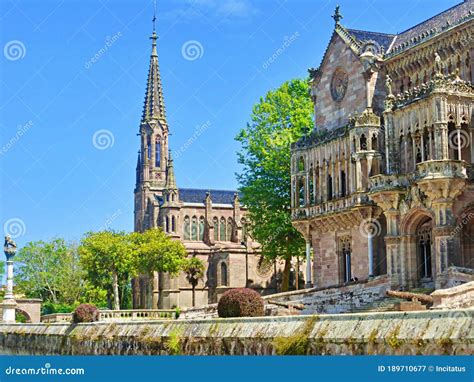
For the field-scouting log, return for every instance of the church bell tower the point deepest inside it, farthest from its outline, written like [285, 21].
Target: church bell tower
[151, 172]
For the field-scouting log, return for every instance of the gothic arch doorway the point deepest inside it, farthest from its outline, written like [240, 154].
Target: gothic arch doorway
[424, 243]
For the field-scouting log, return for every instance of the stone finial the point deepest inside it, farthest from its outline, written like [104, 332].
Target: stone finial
[337, 15]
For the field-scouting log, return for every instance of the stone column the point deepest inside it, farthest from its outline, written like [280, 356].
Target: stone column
[9, 304]
[309, 279]
[370, 248]
[358, 175]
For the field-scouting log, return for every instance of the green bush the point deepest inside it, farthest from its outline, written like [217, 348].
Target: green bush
[241, 302]
[85, 313]
[50, 308]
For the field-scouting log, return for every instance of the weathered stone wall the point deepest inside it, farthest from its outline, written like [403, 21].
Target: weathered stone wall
[454, 276]
[429, 332]
[461, 296]
[336, 299]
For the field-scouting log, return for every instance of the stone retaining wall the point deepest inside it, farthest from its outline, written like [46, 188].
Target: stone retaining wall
[429, 332]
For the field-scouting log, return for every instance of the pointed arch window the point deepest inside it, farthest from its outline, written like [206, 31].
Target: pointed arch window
[215, 223]
[201, 228]
[158, 152]
[167, 224]
[222, 230]
[194, 228]
[173, 224]
[223, 278]
[230, 227]
[148, 147]
[187, 228]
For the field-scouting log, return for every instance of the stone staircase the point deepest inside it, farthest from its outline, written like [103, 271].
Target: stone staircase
[387, 304]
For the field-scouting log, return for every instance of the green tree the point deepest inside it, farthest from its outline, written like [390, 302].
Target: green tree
[280, 118]
[51, 271]
[194, 269]
[156, 251]
[112, 259]
[108, 259]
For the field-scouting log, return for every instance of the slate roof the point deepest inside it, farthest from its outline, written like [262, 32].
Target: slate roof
[437, 22]
[193, 195]
[382, 39]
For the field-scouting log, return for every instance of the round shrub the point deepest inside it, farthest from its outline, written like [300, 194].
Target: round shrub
[241, 302]
[85, 313]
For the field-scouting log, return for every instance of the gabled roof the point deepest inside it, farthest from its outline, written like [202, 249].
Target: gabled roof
[384, 40]
[193, 195]
[438, 22]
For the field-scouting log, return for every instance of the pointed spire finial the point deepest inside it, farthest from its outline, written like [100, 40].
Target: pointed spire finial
[337, 15]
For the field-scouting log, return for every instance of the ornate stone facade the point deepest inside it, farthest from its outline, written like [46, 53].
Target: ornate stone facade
[210, 223]
[384, 183]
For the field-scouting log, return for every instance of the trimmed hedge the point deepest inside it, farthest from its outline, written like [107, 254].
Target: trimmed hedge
[241, 302]
[85, 313]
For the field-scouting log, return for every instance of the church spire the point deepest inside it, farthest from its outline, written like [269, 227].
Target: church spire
[154, 107]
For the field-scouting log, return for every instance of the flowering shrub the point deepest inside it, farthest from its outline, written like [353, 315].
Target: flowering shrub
[85, 313]
[241, 302]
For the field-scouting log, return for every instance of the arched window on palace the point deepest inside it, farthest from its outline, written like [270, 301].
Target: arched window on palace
[187, 228]
[375, 145]
[363, 142]
[167, 224]
[173, 224]
[222, 230]
[311, 186]
[194, 228]
[215, 223]
[201, 228]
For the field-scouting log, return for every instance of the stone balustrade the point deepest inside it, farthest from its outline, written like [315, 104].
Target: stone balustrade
[330, 206]
[117, 315]
[56, 317]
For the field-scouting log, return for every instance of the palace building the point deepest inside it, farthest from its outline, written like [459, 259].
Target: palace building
[384, 183]
[210, 223]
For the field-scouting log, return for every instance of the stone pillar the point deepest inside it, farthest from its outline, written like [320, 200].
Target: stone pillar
[309, 283]
[358, 175]
[9, 304]
[370, 248]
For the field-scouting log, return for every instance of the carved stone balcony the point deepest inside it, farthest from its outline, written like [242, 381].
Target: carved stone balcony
[331, 206]
[389, 182]
[439, 169]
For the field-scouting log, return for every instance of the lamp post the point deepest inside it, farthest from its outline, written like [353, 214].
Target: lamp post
[9, 304]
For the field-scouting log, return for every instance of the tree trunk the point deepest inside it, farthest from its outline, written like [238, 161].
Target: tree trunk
[194, 295]
[115, 287]
[285, 282]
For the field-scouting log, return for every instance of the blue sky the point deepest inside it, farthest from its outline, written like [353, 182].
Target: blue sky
[72, 69]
